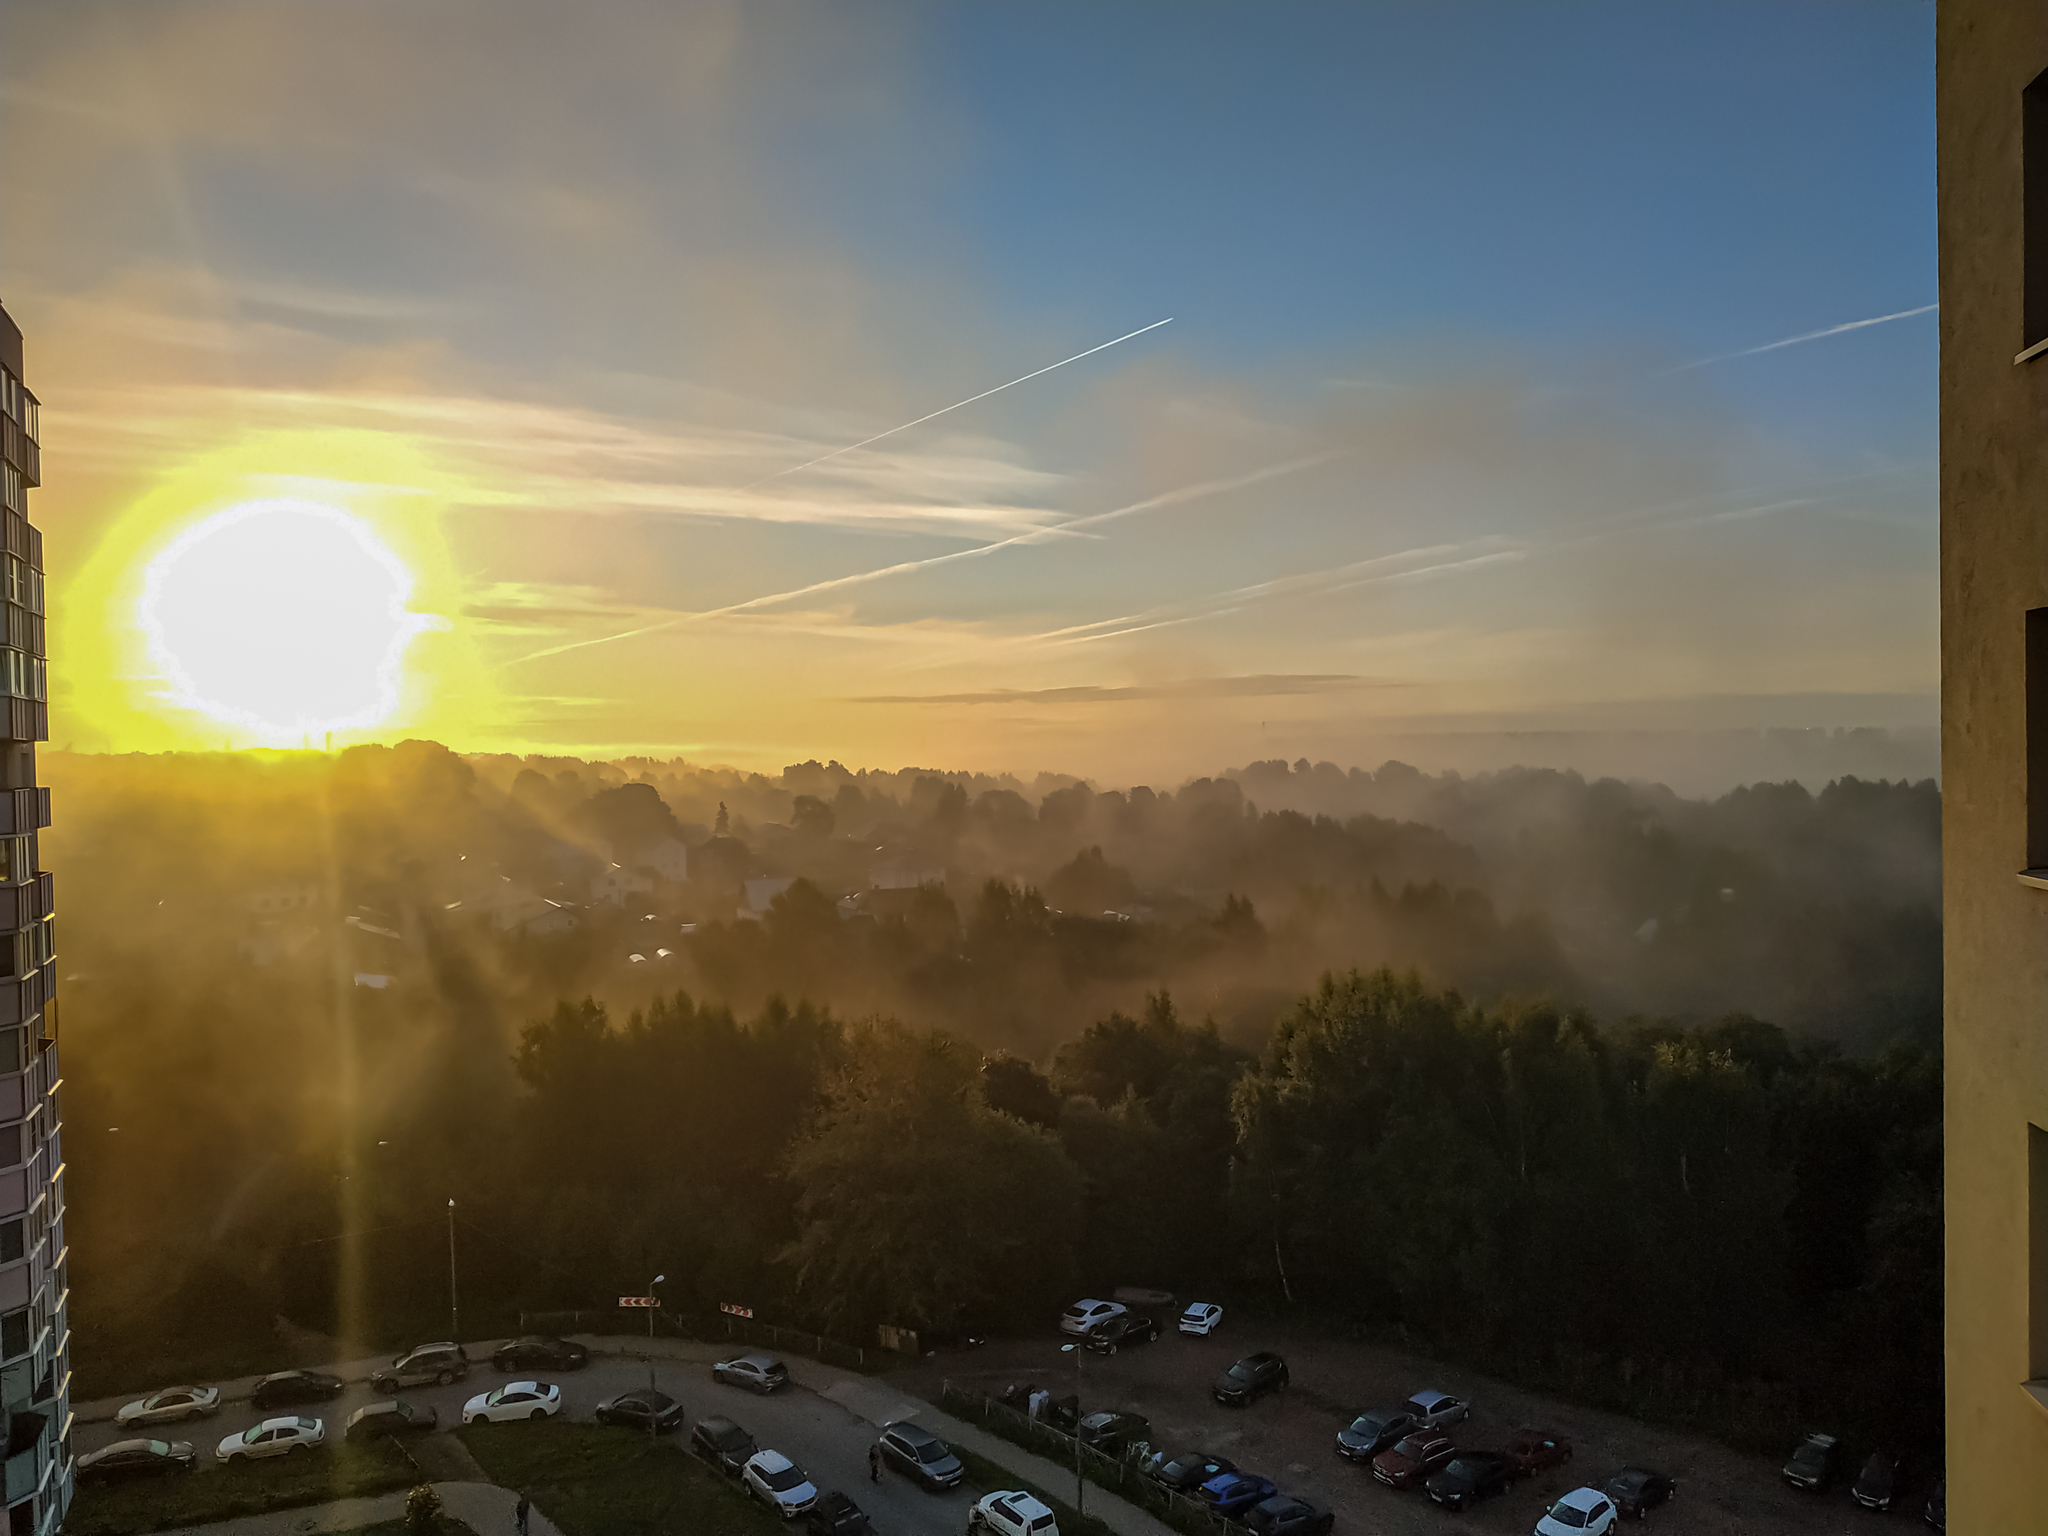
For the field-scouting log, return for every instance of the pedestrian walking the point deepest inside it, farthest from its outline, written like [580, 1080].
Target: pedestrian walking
[874, 1463]
[521, 1511]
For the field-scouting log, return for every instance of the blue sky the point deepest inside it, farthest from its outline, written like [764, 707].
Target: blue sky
[1423, 443]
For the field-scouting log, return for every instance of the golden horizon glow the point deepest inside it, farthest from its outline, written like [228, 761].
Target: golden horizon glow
[284, 617]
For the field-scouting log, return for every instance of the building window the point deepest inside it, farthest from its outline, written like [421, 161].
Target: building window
[2034, 232]
[15, 1337]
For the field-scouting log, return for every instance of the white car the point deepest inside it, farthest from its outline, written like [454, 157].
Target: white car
[1582, 1512]
[273, 1437]
[170, 1406]
[1084, 1314]
[779, 1483]
[1014, 1513]
[514, 1400]
[1201, 1318]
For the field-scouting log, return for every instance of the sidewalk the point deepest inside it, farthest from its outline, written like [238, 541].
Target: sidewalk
[485, 1508]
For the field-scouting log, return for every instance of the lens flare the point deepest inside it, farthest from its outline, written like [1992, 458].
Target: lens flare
[284, 617]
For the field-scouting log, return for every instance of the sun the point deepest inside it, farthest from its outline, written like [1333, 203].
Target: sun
[284, 617]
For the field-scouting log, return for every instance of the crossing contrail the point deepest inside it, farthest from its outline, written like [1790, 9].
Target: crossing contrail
[1793, 341]
[1048, 368]
[1071, 528]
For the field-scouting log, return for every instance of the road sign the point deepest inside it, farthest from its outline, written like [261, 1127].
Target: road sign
[736, 1311]
[639, 1301]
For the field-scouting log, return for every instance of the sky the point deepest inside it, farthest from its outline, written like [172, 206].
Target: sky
[1469, 413]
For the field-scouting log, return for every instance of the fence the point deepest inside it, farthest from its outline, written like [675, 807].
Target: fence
[1127, 1479]
[706, 1328]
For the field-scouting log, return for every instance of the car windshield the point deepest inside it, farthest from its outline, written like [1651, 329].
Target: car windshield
[1413, 1447]
[1042, 1523]
[791, 1476]
[1463, 1468]
[1567, 1514]
[249, 1435]
[1809, 1455]
[932, 1450]
[731, 1438]
[158, 1447]
[1244, 1370]
[1368, 1423]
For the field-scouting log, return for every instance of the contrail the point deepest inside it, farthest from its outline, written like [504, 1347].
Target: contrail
[1035, 536]
[1793, 341]
[850, 447]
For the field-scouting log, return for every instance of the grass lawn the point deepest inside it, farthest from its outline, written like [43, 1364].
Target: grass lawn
[245, 1488]
[598, 1480]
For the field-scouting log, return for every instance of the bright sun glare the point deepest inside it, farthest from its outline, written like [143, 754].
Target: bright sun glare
[285, 617]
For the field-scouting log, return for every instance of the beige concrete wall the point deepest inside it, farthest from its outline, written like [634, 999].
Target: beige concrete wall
[1994, 567]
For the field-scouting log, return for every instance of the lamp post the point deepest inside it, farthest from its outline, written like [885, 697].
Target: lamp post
[1077, 1352]
[650, 1342]
[454, 1310]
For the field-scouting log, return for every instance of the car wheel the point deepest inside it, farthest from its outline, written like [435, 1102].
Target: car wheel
[295, 1450]
[445, 1378]
[538, 1413]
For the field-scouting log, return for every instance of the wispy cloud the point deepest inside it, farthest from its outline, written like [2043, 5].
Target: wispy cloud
[1271, 685]
[1074, 527]
[1804, 336]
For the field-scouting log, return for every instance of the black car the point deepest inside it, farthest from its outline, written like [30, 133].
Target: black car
[1878, 1483]
[1185, 1471]
[537, 1352]
[1370, 1433]
[1114, 1433]
[916, 1452]
[835, 1515]
[281, 1387]
[1286, 1515]
[1469, 1477]
[1936, 1512]
[1637, 1490]
[723, 1443]
[134, 1458]
[1812, 1463]
[642, 1409]
[1250, 1379]
[1110, 1335]
[390, 1417]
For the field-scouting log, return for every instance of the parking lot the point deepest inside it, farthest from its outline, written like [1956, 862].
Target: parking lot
[1290, 1436]
[827, 1440]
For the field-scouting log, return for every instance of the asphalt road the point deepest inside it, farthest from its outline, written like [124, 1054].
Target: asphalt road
[830, 1443]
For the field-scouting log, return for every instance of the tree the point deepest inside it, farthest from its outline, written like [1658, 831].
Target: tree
[1015, 1087]
[811, 816]
[920, 1205]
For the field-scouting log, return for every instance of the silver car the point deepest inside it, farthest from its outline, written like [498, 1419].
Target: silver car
[764, 1373]
[170, 1406]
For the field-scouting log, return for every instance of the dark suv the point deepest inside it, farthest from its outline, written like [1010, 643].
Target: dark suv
[438, 1364]
[915, 1450]
[1250, 1379]
[1111, 1334]
[724, 1444]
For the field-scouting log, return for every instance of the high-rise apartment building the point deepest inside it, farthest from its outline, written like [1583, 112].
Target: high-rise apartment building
[35, 1337]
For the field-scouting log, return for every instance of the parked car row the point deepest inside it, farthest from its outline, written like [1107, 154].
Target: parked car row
[1086, 1317]
[773, 1478]
[1226, 1490]
[1814, 1461]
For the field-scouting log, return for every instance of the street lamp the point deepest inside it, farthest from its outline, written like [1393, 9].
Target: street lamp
[650, 1341]
[454, 1311]
[1076, 1351]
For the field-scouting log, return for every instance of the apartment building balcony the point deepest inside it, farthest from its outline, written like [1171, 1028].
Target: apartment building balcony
[28, 1453]
[19, 447]
[29, 902]
[23, 810]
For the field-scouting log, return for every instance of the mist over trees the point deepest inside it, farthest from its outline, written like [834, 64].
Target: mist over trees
[933, 1049]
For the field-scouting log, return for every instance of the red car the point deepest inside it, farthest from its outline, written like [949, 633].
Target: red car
[1531, 1450]
[1410, 1463]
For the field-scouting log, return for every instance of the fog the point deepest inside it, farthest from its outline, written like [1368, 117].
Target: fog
[641, 1016]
